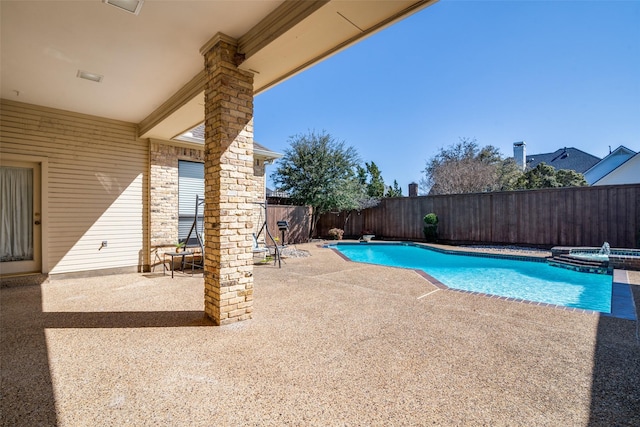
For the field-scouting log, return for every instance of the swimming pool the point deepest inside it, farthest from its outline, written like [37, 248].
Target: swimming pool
[526, 280]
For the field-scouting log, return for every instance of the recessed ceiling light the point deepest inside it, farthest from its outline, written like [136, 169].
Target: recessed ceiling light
[89, 76]
[131, 6]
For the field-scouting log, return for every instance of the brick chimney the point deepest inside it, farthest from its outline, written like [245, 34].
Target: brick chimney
[520, 154]
[413, 190]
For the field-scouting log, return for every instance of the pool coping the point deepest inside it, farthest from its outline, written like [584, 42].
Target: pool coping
[622, 303]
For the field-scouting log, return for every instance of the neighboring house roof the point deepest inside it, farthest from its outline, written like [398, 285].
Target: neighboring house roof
[275, 193]
[262, 151]
[609, 163]
[627, 173]
[564, 158]
[197, 135]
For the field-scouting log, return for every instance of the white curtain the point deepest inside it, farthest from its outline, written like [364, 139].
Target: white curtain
[16, 213]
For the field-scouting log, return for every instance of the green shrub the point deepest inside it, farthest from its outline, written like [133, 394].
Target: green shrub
[336, 233]
[431, 227]
[431, 219]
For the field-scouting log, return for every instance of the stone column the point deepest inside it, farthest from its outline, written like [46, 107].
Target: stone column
[229, 184]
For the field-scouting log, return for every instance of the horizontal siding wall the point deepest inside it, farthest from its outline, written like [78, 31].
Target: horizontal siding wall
[582, 216]
[96, 185]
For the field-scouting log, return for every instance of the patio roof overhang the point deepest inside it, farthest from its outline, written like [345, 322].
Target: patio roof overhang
[151, 63]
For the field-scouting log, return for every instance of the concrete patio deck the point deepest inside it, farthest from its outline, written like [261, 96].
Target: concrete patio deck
[331, 343]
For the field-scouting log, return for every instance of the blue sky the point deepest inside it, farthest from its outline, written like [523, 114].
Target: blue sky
[551, 73]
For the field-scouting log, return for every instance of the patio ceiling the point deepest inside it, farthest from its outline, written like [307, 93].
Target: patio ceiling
[151, 63]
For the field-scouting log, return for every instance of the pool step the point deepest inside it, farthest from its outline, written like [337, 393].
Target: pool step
[581, 261]
[583, 265]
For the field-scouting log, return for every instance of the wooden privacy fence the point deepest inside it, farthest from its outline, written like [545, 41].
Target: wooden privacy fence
[578, 216]
[298, 217]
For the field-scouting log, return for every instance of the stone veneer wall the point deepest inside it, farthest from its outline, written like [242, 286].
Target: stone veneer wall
[623, 259]
[625, 262]
[163, 195]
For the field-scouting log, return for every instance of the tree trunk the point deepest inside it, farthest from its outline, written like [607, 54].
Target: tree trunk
[314, 222]
[346, 219]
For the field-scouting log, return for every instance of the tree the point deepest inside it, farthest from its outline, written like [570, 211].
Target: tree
[362, 175]
[394, 191]
[355, 198]
[466, 168]
[570, 178]
[508, 173]
[319, 171]
[375, 186]
[546, 176]
[371, 177]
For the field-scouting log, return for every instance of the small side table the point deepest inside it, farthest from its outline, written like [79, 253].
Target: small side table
[173, 255]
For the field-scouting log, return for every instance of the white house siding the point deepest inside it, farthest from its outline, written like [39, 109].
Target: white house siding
[96, 185]
[626, 173]
[608, 164]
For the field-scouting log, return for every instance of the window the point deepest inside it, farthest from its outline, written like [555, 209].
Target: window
[16, 239]
[190, 185]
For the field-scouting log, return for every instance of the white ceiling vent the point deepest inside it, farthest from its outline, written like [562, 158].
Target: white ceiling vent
[131, 6]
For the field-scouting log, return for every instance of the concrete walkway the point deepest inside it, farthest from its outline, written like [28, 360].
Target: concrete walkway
[331, 343]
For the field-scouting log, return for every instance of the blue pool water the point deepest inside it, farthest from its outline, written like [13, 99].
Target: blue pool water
[527, 280]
